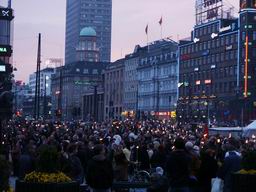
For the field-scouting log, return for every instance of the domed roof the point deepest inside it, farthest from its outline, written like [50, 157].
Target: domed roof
[87, 31]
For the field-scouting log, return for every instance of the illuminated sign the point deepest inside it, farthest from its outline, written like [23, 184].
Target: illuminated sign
[162, 113]
[208, 81]
[198, 82]
[213, 35]
[229, 47]
[196, 40]
[223, 29]
[173, 114]
[6, 14]
[196, 69]
[2, 68]
[5, 50]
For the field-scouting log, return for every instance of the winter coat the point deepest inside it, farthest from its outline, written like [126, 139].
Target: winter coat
[178, 169]
[232, 164]
[99, 173]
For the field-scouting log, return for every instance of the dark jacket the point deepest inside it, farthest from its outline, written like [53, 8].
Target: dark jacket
[76, 169]
[178, 169]
[26, 165]
[208, 170]
[99, 173]
[232, 164]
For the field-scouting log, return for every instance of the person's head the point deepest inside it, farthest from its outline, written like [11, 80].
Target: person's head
[179, 143]
[72, 149]
[99, 149]
[189, 146]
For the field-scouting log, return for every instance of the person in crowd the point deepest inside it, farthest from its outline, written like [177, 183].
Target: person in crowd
[208, 170]
[178, 167]
[26, 161]
[159, 181]
[76, 169]
[99, 175]
[232, 163]
[121, 166]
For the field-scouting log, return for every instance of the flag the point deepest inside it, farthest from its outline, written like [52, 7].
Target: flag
[160, 21]
[146, 30]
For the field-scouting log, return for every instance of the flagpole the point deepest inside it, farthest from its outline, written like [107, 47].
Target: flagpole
[161, 31]
[146, 31]
[147, 42]
[161, 27]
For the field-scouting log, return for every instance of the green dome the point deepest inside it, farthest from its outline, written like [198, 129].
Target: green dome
[88, 31]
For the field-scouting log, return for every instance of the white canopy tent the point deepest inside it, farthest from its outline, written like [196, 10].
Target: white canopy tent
[250, 130]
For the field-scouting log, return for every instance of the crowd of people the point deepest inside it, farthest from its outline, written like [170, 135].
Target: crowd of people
[178, 158]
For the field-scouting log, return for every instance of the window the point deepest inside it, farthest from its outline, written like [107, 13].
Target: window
[254, 35]
[218, 43]
[86, 71]
[222, 41]
[222, 57]
[217, 57]
[95, 71]
[226, 56]
[209, 44]
[243, 35]
[232, 39]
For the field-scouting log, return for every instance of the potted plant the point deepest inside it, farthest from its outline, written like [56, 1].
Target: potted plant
[244, 180]
[47, 176]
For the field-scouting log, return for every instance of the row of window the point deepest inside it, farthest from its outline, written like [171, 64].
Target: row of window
[114, 75]
[221, 87]
[210, 59]
[215, 43]
[223, 72]
[158, 58]
[206, 30]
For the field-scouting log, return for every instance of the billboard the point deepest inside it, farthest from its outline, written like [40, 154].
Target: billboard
[5, 51]
[6, 14]
[244, 4]
[208, 10]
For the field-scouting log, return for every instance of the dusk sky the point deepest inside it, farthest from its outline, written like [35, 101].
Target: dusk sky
[130, 18]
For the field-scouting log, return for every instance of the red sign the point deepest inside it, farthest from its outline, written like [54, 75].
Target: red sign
[208, 81]
[162, 113]
[185, 57]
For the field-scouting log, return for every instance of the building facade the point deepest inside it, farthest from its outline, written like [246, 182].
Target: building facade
[45, 81]
[216, 74]
[93, 105]
[114, 90]
[157, 79]
[6, 68]
[87, 47]
[131, 64]
[69, 85]
[87, 13]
